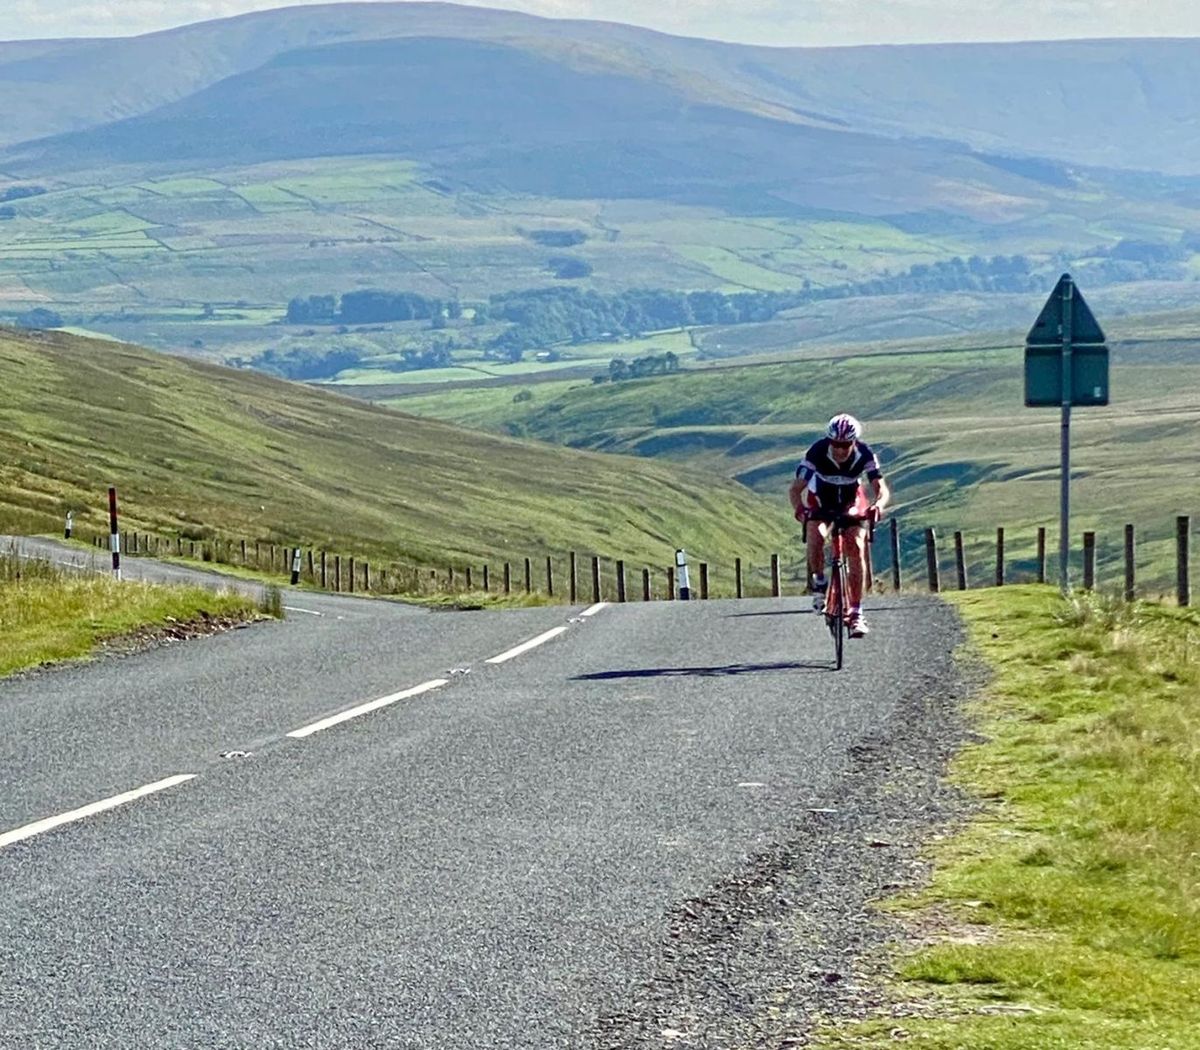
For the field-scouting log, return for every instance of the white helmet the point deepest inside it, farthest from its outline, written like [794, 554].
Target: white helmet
[843, 427]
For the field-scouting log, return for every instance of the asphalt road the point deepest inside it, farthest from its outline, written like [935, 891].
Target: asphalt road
[494, 861]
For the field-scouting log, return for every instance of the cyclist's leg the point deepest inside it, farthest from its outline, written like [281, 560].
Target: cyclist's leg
[856, 556]
[817, 531]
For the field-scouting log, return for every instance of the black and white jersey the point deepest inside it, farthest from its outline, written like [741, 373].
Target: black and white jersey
[836, 484]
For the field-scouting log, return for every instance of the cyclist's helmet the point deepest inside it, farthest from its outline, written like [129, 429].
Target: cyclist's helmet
[843, 428]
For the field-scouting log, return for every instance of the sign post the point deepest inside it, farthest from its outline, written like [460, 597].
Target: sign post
[1066, 364]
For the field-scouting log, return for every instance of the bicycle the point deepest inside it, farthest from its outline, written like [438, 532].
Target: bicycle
[837, 608]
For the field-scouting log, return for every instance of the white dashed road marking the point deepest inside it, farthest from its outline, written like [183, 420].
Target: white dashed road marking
[524, 647]
[363, 709]
[50, 823]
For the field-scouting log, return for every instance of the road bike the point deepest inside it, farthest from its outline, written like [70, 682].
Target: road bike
[837, 601]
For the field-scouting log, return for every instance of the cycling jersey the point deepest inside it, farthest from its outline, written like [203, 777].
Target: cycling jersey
[836, 484]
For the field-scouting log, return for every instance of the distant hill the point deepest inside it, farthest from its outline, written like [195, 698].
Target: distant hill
[212, 451]
[1118, 103]
[499, 117]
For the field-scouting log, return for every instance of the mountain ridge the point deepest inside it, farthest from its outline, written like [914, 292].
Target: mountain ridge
[1139, 87]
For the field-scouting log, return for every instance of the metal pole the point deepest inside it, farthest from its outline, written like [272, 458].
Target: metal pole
[1064, 537]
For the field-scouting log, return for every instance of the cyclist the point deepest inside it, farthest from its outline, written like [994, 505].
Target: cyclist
[827, 482]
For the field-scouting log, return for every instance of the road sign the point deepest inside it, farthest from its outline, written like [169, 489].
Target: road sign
[1044, 379]
[1047, 330]
[1050, 338]
[1066, 364]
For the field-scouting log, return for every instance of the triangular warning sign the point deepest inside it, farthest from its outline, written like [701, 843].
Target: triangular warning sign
[1048, 328]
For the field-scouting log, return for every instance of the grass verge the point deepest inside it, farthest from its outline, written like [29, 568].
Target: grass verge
[47, 615]
[1067, 915]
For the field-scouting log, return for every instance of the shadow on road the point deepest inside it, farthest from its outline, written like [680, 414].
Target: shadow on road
[703, 672]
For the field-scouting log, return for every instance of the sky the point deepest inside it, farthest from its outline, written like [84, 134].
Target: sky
[778, 22]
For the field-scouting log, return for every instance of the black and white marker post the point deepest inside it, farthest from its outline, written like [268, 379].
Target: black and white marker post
[114, 535]
[295, 566]
[69, 525]
[685, 592]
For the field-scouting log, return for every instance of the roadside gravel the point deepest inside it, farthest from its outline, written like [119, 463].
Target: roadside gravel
[794, 937]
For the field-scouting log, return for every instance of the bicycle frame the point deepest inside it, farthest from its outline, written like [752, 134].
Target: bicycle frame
[837, 606]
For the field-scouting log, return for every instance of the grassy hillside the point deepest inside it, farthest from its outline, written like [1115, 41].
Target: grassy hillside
[205, 450]
[960, 448]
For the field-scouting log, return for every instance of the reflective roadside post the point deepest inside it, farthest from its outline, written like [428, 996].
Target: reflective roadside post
[685, 591]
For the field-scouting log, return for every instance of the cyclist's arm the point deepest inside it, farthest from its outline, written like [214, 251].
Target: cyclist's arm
[796, 495]
[880, 491]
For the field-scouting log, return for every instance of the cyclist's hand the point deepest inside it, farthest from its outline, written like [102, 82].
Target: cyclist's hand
[874, 514]
[800, 514]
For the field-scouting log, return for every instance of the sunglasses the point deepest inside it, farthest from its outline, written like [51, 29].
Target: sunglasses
[841, 445]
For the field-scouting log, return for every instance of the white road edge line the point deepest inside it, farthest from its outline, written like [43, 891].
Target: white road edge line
[50, 823]
[296, 608]
[592, 610]
[524, 647]
[363, 709]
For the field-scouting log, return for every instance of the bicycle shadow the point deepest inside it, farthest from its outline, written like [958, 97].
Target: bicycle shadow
[721, 671]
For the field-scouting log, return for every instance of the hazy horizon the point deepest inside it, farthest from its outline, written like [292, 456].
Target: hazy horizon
[797, 23]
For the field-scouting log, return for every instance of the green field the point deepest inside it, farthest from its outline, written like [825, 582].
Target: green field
[116, 251]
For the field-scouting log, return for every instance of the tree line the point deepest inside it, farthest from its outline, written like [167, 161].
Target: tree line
[538, 318]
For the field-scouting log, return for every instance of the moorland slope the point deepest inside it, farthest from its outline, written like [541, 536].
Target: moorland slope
[200, 450]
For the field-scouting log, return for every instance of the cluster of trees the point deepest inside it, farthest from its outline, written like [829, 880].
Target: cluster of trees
[544, 316]
[557, 238]
[568, 268]
[999, 273]
[304, 363]
[39, 317]
[651, 365]
[16, 193]
[371, 306]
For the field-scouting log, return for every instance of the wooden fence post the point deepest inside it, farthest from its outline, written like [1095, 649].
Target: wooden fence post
[774, 575]
[645, 585]
[311, 571]
[528, 576]
[1089, 561]
[487, 583]
[1041, 554]
[931, 560]
[1183, 590]
[468, 575]
[703, 580]
[507, 578]
[1130, 581]
[367, 577]
[1000, 556]
[620, 580]
[324, 573]
[895, 539]
[350, 575]
[595, 579]
[549, 576]
[960, 562]
[574, 581]
[670, 583]
[737, 576]
[337, 573]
